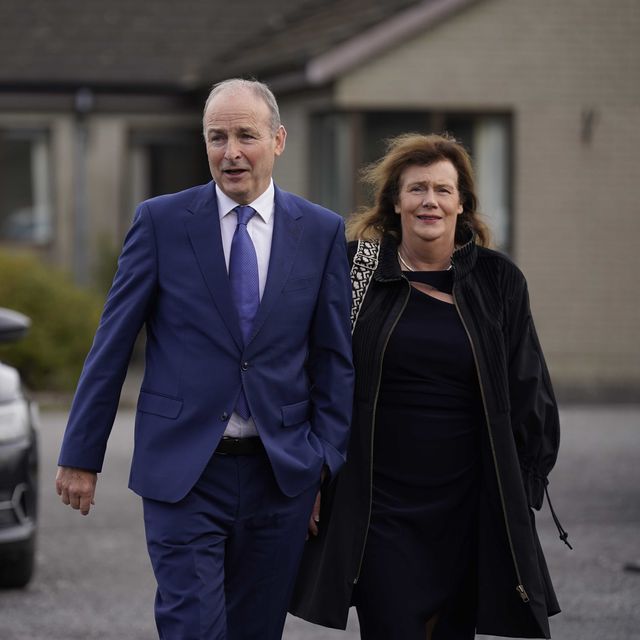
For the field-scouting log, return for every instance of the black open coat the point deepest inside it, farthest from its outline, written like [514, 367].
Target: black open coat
[518, 449]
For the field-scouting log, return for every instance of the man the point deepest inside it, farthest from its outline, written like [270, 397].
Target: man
[247, 391]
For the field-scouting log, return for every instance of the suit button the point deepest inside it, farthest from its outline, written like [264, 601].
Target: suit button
[244, 366]
[224, 416]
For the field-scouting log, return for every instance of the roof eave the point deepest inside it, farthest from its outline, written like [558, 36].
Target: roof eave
[350, 54]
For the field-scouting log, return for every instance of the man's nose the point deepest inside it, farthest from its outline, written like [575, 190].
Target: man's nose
[232, 150]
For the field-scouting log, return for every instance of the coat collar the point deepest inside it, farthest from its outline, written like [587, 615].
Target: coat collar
[287, 230]
[463, 259]
[203, 228]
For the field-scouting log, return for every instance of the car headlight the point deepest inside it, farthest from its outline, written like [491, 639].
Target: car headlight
[14, 420]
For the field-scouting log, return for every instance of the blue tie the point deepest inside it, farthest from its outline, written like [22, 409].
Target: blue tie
[243, 277]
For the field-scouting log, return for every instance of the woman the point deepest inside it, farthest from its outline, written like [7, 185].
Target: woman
[428, 529]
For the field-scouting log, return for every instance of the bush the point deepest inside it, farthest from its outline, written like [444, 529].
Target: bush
[64, 318]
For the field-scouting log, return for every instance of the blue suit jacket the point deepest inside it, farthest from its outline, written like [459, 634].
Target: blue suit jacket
[296, 367]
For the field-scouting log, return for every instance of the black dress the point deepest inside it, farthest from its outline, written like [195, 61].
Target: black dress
[420, 548]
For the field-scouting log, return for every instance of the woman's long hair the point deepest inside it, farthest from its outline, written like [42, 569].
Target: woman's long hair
[383, 176]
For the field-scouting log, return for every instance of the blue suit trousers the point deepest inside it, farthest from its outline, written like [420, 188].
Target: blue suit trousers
[225, 556]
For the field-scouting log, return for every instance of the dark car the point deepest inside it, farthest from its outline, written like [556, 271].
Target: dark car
[18, 466]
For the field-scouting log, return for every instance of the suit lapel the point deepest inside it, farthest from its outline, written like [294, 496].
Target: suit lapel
[203, 229]
[287, 229]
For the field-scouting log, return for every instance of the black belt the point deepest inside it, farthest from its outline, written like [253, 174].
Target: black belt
[229, 446]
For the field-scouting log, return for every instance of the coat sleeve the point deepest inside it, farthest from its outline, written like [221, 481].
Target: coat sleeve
[534, 411]
[330, 364]
[96, 399]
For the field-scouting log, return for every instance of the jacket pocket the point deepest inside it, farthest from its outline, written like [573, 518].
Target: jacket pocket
[159, 405]
[293, 414]
[294, 284]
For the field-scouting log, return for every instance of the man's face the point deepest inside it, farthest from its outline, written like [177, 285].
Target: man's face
[241, 145]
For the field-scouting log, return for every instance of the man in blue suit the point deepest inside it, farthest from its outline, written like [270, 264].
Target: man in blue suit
[246, 398]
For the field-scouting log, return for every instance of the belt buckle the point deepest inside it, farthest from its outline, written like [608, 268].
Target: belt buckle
[234, 446]
[230, 441]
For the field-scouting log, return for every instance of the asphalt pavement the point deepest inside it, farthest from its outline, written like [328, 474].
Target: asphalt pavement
[94, 580]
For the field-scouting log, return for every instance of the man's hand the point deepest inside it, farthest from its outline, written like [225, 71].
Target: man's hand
[314, 520]
[76, 487]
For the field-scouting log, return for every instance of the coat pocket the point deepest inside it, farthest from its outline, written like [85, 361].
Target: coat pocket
[159, 405]
[297, 413]
[295, 284]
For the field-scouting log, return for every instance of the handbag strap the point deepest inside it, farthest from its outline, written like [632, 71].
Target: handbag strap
[365, 263]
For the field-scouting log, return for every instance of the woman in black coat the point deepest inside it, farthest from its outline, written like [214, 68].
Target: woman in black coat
[429, 529]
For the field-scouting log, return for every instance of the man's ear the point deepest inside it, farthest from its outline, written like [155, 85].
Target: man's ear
[281, 137]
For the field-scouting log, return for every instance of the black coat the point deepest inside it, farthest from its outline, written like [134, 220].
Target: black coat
[518, 449]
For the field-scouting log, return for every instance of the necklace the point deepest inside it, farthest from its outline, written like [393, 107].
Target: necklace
[408, 267]
[404, 263]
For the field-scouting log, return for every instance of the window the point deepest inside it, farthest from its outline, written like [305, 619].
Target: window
[345, 142]
[165, 162]
[25, 187]
[332, 162]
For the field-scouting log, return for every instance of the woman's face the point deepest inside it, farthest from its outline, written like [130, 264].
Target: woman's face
[429, 202]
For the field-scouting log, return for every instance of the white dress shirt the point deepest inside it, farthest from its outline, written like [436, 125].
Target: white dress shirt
[260, 230]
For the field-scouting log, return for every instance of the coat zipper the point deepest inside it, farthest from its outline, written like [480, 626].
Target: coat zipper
[373, 426]
[519, 587]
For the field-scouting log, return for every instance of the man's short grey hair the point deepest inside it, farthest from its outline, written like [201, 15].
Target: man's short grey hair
[259, 89]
